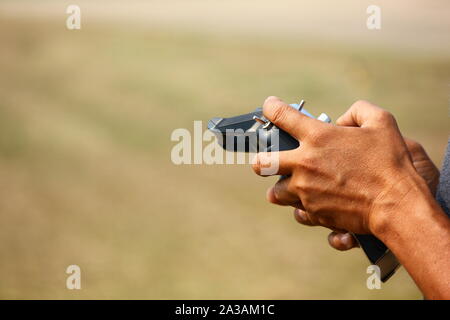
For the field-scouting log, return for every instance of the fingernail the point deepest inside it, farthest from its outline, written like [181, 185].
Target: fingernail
[346, 240]
[301, 214]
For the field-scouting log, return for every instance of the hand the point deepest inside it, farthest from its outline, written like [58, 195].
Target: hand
[342, 240]
[347, 177]
[423, 164]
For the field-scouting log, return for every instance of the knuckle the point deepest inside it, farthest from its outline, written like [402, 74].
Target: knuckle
[303, 189]
[385, 115]
[307, 163]
[279, 113]
[298, 186]
[364, 105]
[359, 103]
[386, 118]
[312, 136]
[319, 137]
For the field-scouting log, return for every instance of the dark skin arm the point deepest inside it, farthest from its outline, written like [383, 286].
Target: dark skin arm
[359, 177]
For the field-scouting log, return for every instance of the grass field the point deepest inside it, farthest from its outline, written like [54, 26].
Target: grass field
[86, 176]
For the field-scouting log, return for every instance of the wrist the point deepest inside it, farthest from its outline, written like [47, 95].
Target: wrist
[409, 221]
[398, 204]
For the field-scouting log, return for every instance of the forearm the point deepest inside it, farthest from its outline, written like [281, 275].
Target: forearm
[418, 232]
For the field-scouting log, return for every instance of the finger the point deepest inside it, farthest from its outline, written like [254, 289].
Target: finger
[273, 163]
[365, 114]
[303, 217]
[342, 241]
[270, 196]
[290, 120]
[281, 195]
[416, 150]
[423, 164]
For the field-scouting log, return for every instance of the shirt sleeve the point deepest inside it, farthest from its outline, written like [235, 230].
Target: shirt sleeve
[443, 191]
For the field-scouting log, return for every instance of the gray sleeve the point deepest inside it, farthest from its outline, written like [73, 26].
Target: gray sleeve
[443, 191]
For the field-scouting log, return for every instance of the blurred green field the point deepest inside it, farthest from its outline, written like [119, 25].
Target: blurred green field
[86, 176]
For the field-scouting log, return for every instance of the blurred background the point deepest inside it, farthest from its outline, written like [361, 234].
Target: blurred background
[86, 117]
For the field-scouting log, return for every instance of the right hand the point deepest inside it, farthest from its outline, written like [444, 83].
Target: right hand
[343, 241]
